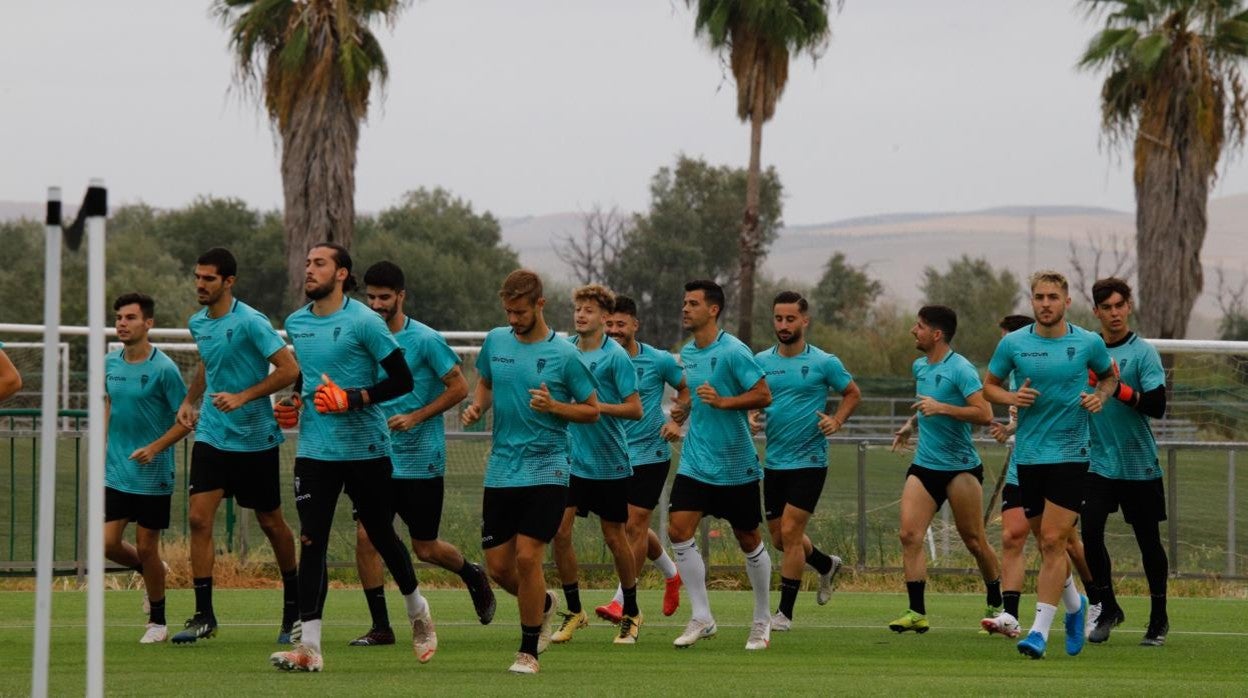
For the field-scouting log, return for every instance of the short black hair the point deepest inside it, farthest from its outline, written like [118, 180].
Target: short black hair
[714, 292]
[385, 274]
[1103, 289]
[145, 302]
[343, 259]
[1009, 323]
[220, 258]
[626, 305]
[791, 297]
[940, 317]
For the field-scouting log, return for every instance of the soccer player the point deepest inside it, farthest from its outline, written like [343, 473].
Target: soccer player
[418, 452]
[236, 437]
[946, 467]
[344, 444]
[536, 384]
[719, 471]
[799, 376]
[10, 379]
[142, 392]
[1052, 357]
[600, 465]
[1124, 470]
[648, 452]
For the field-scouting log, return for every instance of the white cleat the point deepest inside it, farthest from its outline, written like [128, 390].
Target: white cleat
[424, 637]
[760, 635]
[525, 664]
[694, 631]
[1094, 612]
[548, 619]
[300, 658]
[824, 593]
[781, 623]
[154, 634]
[1001, 624]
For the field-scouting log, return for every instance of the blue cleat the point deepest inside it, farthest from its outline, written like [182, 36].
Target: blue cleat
[1074, 627]
[1032, 645]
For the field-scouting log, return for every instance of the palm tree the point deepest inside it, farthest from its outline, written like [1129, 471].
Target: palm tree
[758, 36]
[1174, 86]
[314, 63]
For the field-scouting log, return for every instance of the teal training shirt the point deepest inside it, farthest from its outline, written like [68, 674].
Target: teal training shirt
[143, 400]
[799, 388]
[1055, 428]
[600, 449]
[719, 449]
[944, 442]
[347, 345]
[530, 448]
[235, 349]
[1122, 440]
[420, 452]
[656, 369]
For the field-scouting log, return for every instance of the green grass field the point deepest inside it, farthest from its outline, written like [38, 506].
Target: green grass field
[840, 648]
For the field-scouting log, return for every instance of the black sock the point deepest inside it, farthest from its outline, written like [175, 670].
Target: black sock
[572, 594]
[1094, 594]
[157, 616]
[994, 593]
[528, 638]
[546, 606]
[788, 595]
[290, 596]
[1157, 612]
[820, 561]
[1009, 602]
[630, 601]
[376, 598]
[203, 596]
[915, 590]
[138, 568]
[469, 575]
[1108, 600]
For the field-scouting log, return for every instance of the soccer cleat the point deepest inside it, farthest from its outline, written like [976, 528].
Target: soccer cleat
[197, 628]
[824, 593]
[760, 635]
[1106, 622]
[301, 658]
[482, 597]
[1001, 624]
[1094, 614]
[1075, 623]
[147, 602]
[910, 620]
[781, 623]
[290, 632]
[548, 619]
[628, 630]
[989, 613]
[1032, 645]
[154, 634]
[571, 623]
[694, 631]
[375, 636]
[424, 637]
[614, 612]
[671, 595]
[525, 664]
[1155, 636]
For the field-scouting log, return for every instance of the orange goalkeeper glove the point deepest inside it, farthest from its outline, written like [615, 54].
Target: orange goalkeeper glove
[330, 398]
[286, 411]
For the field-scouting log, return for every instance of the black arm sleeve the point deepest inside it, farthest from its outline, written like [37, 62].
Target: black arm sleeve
[1152, 403]
[298, 386]
[398, 379]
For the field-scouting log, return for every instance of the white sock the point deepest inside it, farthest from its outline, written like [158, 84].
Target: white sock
[693, 572]
[1070, 595]
[665, 564]
[758, 569]
[415, 603]
[619, 595]
[1044, 619]
[311, 634]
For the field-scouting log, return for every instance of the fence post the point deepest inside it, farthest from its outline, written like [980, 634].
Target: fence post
[1172, 503]
[1230, 514]
[862, 506]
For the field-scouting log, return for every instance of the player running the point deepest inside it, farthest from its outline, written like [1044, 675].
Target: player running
[344, 444]
[142, 392]
[799, 376]
[719, 471]
[418, 454]
[536, 384]
[236, 452]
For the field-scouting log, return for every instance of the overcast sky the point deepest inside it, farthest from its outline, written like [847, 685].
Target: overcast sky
[542, 106]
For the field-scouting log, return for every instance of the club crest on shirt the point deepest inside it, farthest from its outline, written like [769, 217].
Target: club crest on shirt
[939, 378]
[805, 372]
[640, 372]
[337, 331]
[541, 365]
[1070, 353]
[593, 366]
[714, 360]
[143, 380]
[1122, 364]
[229, 335]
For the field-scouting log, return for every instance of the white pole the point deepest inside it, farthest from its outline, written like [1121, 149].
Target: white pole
[95, 436]
[47, 436]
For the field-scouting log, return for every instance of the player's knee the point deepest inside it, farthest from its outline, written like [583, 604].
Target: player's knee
[1053, 543]
[149, 550]
[200, 523]
[749, 540]
[528, 562]
[425, 550]
[910, 537]
[791, 532]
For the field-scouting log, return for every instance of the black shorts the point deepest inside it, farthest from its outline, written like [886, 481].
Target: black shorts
[252, 478]
[737, 504]
[606, 498]
[1060, 483]
[150, 511]
[799, 487]
[646, 484]
[1142, 501]
[936, 482]
[533, 511]
[418, 501]
[1011, 497]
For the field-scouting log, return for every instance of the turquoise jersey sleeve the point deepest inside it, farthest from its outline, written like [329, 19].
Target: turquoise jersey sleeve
[1098, 356]
[1152, 374]
[835, 374]
[375, 335]
[671, 370]
[1002, 362]
[439, 356]
[968, 380]
[745, 368]
[173, 385]
[265, 338]
[624, 373]
[483, 358]
[581, 383]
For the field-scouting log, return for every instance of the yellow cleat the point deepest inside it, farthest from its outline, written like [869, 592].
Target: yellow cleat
[628, 630]
[910, 621]
[571, 623]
